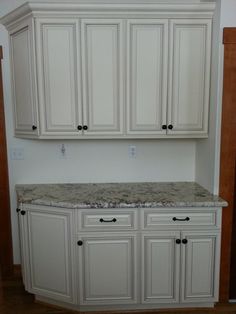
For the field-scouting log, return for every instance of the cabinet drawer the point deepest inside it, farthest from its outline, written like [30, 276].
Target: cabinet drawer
[107, 219]
[180, 218]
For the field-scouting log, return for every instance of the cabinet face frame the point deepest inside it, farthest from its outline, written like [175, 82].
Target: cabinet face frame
[45, 77]
[115, 29]
[26, 28]
[201, 126]
[91, 239]
[135, 33]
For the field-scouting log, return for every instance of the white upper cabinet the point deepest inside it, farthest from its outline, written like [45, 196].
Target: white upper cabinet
[111, 70]
[23, 79]
[147, 54]
[102, 59]
[189, 76]
[59, 84]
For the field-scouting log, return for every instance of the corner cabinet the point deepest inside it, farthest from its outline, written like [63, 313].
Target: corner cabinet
[139, 258]
[47, 252]
[111, 70]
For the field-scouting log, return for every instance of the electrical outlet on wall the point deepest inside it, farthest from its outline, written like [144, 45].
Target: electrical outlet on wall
[62, 151]
[17, 153]
[132, 151]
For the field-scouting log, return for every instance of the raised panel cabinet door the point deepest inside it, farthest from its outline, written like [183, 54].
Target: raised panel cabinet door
[59, 82]
[107, 269]
[147, 76]
[200, 266]
[189, 76]
[103, 62]
[50, 253]
[160, 267]
[23, 80]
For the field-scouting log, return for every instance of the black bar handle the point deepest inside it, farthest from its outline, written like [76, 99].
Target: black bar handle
[180, 219]
[110, 220]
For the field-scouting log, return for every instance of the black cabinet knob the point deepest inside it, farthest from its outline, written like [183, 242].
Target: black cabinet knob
[178, 241]
[18, 210]
[184, 241]
[34, 127]
[85, 127]
[170, 126]
[79, 127]
[164, 127]
[80, 243]
[23, 212]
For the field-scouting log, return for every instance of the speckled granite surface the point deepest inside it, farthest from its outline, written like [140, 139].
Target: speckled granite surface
[118, 195]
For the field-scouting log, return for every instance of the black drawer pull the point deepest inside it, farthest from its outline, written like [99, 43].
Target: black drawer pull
[180, 219]
[109, 220]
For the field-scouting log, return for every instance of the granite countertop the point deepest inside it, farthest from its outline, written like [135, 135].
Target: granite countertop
[118, 195]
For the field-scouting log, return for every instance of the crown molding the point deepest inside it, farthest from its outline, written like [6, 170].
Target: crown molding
[113, 6]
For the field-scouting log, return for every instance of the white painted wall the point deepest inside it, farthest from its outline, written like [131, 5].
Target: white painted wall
[88, 161]
[208, 151]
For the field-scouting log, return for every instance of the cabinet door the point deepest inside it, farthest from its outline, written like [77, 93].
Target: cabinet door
[161, 267]
[102, 55]
[147, 76]
[200, 267]
[23, 80]
[59, 83]
[189, 76]
[50, 253]
[107, 269]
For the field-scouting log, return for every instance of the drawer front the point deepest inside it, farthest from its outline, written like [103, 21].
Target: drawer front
[107, 220]
[180, 218]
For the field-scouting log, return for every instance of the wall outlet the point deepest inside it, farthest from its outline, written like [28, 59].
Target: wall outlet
[132, 151]
[17, 153]
[62, 151]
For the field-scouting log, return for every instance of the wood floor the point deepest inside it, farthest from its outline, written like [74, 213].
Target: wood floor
[16, 301]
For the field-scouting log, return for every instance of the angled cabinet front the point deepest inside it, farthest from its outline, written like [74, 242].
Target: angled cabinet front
[24, 79]
[57, 42]
[102, 73]
[108, 271]
[147, 54]
[49, 252]
[189, 76]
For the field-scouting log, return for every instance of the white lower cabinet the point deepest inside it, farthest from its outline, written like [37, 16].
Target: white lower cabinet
[161, 265]
[200, 266]
[121, 258]
[47, 252]
[107, 269]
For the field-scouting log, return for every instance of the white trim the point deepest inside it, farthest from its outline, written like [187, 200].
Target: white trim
[147, 6]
